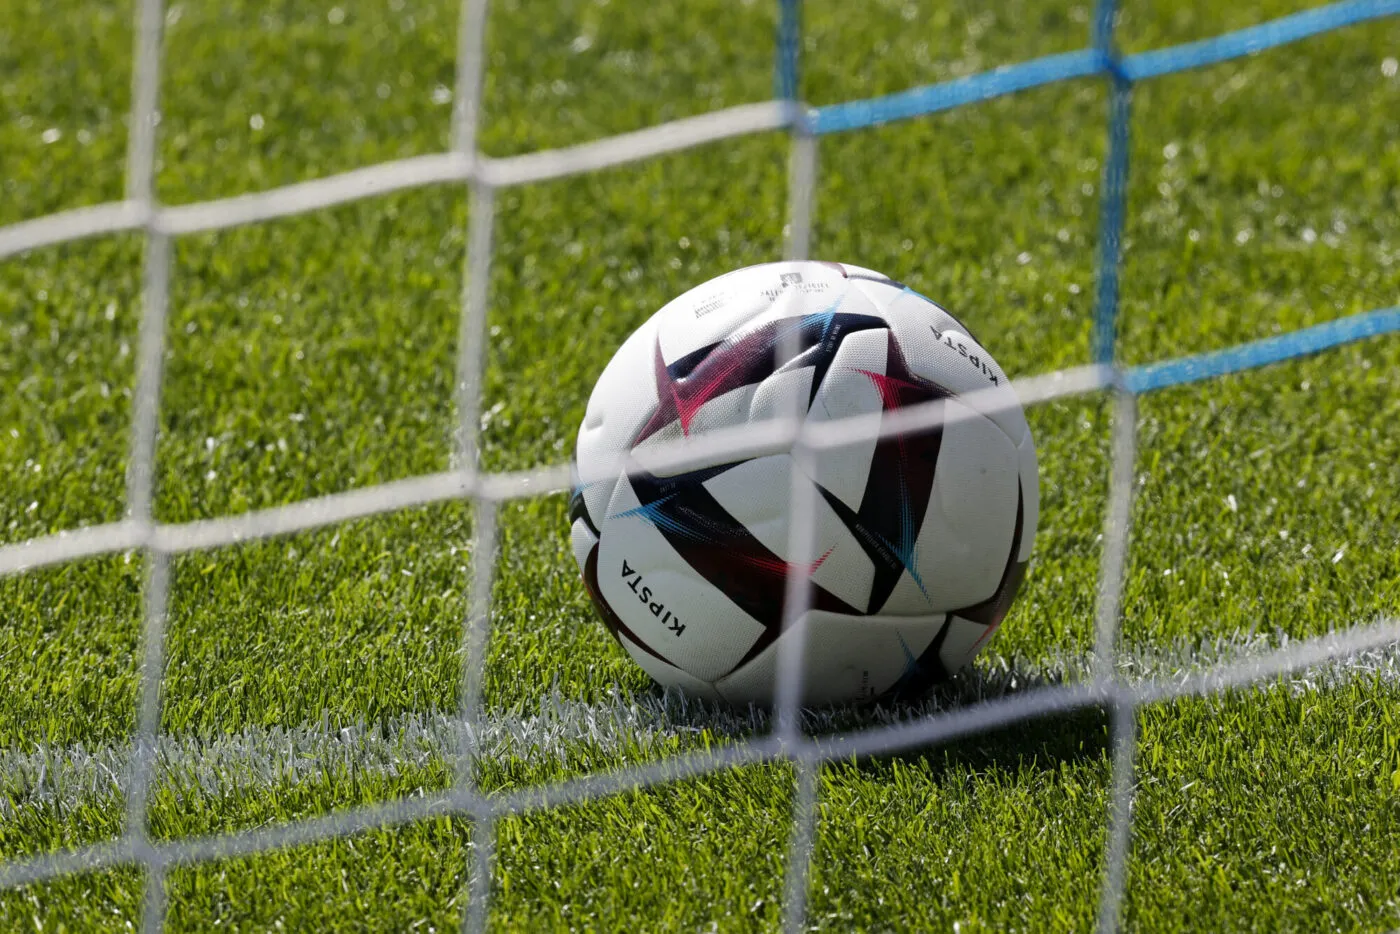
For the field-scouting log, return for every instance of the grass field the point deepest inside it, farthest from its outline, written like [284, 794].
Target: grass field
[313, 355]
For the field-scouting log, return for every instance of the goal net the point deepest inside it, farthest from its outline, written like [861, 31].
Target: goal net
[464, 164]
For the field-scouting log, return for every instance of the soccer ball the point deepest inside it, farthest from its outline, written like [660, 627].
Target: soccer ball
[922, 538]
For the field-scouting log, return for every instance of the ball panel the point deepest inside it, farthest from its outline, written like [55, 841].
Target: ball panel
[710, 313]
[653, 589]
[845, 392]
[715, 310]
[897, 299]
[619, 405]
[845, 658]
[668, 675]
[977, 481]
[966, 532]
[724, 410]
[939, 349]
[757, 494]
[782, 395]
[915, 592]
[993, 610]
[962, 642]
[779, 395]
[703, 394]
[963, 539]
[583, 540]
[611, 621]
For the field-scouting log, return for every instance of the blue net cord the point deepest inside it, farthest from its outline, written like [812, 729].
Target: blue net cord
[785, 76]
[1114, 185]
[1153, 376]
[1256, 38]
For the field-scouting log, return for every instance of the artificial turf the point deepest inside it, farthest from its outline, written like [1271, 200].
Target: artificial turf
[314, 354]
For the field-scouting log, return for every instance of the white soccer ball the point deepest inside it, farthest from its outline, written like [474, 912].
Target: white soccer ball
[922, 538]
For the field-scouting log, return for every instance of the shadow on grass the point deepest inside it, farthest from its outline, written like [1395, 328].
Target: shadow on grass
[1041, 741]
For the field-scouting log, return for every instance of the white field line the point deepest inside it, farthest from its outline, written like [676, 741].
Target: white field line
[570, 733]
